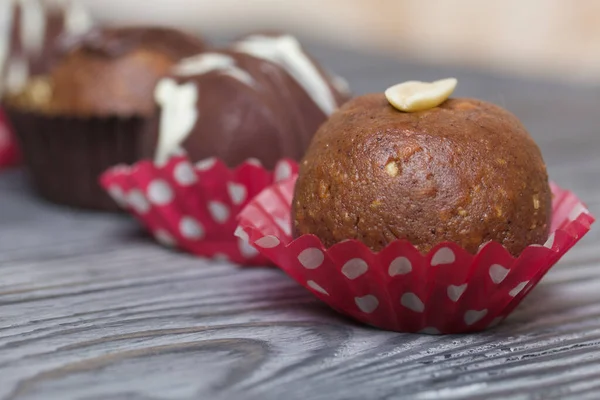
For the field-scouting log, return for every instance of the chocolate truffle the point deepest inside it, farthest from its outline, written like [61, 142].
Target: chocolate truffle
[465, 171]
[113, 71]
[30, 33]
[263, 97]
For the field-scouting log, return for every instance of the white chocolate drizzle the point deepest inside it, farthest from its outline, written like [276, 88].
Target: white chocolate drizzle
[208, 62]
[33, 26]
[77, 19]
[286, 52]
[178, 116]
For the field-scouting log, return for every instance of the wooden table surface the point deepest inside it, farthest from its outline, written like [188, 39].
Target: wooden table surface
[91, 309]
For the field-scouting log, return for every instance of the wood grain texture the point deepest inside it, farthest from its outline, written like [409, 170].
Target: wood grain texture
[91, 309]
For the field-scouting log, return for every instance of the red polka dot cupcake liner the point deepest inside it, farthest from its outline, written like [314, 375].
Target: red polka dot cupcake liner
[445, 291]
[9, 152]
[194, 207]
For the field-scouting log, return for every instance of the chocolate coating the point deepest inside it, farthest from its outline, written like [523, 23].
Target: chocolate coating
[465, 172]
[263, 97]
[114, 71]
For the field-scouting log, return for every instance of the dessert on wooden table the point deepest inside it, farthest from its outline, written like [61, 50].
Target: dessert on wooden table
[231, 122]
[416, 212]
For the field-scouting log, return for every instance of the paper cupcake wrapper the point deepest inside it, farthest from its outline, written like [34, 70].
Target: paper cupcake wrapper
[194, 207]
[445, 291]
[66, 155]
[9, 153]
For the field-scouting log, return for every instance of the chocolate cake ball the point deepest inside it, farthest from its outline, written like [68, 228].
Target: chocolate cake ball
[465, 171]
[113, 71]
[262, 97]
[30, 33]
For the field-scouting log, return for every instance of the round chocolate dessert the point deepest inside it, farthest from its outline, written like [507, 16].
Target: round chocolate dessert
[263, 97]
[465, 171]
[30, 35]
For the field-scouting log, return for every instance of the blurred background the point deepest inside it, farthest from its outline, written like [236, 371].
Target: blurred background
[545, 39]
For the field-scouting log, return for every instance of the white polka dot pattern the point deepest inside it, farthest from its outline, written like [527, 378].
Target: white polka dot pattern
[237, 193]
[311, 258]
[397, 280]
[267, 242]
[474, 316]
[160, 193]
[184, 174]
[455, 292]
[430, 331]
[444, 255]
[218, 211]
[316, 287]
[138, 202]
[517, 289]
[283, 171]
[367, 304]
[400, 266]
[190, 228]
[412, 302]
[241, 233]
[207, 164]
[355, 268]
[498, 273]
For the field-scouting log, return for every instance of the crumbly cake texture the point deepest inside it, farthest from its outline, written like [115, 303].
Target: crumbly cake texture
[465, 172]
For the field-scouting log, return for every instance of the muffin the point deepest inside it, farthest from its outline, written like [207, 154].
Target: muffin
[93, 109]
[262, 97]
[464, 171]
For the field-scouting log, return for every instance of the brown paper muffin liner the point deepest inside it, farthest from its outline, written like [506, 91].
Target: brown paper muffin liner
[65, 155]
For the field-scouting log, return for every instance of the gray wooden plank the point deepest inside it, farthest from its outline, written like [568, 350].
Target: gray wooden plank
[91, 309]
